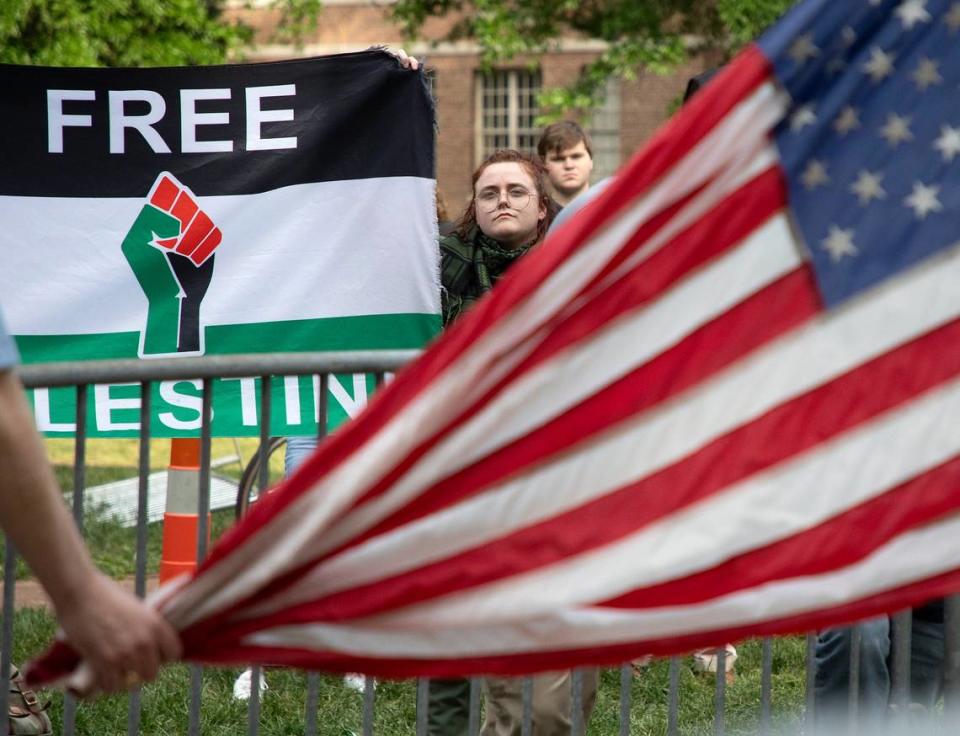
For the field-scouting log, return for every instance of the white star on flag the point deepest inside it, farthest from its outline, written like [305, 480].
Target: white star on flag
[896, 130]
[867, 187]
[802, 117]
[848, 36]
[803, 49]
[927, 74]
[923, 200]
[839, 243]
[948, 143]
[952, 18]
[815, 174]
[912, 12]
[880, 65]
[847, 120]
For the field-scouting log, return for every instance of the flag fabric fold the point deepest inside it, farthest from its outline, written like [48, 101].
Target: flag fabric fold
[716, 403]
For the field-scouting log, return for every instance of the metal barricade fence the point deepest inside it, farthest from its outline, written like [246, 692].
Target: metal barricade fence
[85, 374]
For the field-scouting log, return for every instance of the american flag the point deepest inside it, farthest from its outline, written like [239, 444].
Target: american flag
[719, 402]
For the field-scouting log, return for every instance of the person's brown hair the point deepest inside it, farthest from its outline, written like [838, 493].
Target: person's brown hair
[533, 167]
[561, 136]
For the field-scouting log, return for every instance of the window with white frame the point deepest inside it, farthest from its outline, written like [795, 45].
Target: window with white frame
[506, 110]
[604, 129]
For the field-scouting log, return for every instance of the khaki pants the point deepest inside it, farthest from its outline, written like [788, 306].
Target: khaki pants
[552, 698]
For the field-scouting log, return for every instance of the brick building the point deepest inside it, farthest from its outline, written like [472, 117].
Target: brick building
[478, 113]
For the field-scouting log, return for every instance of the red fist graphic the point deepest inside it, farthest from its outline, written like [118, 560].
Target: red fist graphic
[198, 236]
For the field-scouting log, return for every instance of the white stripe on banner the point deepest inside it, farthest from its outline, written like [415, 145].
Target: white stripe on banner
[922, 553]
[784, 369]
[308, 251]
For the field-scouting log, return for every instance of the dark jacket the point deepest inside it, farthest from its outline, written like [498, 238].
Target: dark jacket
[469, 268]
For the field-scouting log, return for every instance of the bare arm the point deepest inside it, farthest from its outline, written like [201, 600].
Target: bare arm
[114, 631]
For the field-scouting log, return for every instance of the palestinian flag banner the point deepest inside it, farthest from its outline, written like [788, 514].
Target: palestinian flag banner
[278, 207]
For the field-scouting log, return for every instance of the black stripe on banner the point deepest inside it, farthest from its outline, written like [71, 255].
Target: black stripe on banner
[109, 132]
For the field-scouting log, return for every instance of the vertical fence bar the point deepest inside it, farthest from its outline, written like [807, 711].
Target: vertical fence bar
[901, 632]
[140, 565]
[203, 511]
[810, 703]
[313, 679]
[526, 724]
[256, 672]
[6, 643]
[253, 705]
[576, 702]
[951, 659]
[720, 696]
[313, 703]
[203, 498]
[766, 685]
[673, 698]
[369, 695]
[626, 692]
[79, 485]
[473, 712]
[856, 640]
[193, 714]
[423, 696]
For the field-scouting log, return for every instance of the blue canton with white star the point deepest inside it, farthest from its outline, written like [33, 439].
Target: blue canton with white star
[871, 144]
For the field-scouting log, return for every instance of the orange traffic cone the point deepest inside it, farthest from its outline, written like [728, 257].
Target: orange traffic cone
[180, 518]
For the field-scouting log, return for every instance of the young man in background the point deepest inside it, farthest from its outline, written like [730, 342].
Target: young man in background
[567, 155]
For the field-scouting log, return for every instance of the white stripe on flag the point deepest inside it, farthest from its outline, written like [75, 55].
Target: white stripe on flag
[787, 499]
[784, 369]
[580, 371]
[921, 553]
[305, 521]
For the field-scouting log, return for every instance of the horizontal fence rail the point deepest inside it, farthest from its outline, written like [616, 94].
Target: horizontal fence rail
[52, 375]
[626, 686]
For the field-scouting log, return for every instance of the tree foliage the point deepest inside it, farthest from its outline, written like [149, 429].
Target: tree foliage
[649, 34]
[652, 34]
[116, 32]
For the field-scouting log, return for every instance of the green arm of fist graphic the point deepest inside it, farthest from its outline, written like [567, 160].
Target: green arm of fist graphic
[153, 272]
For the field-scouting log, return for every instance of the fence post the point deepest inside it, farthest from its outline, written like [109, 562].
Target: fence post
[951, 663]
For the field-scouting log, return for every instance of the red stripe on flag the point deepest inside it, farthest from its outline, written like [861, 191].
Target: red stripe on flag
[819, 550]
[224, 651]
[782, 306]
[818, 415]
[717, 232]
[230, 652]
[785, 305]
[672, 142]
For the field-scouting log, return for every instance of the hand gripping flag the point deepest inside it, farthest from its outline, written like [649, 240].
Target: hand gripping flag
[719, 402]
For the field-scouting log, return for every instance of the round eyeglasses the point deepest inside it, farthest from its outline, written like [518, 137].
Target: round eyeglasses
[517, 198]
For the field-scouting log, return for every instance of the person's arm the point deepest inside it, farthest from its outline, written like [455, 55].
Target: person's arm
[122, 639]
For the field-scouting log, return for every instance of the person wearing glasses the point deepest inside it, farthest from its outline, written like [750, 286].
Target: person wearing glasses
[508, 216]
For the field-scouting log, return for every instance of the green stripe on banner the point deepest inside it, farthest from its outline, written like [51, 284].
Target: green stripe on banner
[376, 332]
[113, 410]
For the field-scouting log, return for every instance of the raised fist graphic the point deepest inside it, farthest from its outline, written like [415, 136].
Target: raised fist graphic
[170, 248]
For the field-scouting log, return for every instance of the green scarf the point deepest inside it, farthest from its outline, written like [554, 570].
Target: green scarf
[487, 261]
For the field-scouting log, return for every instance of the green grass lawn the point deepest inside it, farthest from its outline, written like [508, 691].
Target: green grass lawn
[113, 547]
[165, 703]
